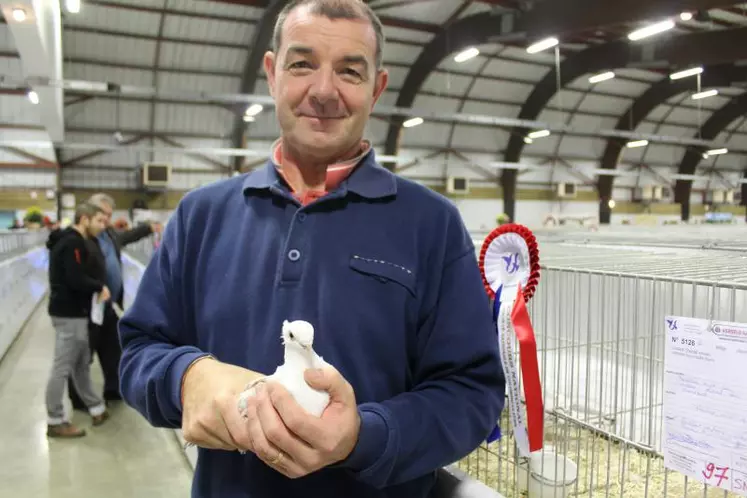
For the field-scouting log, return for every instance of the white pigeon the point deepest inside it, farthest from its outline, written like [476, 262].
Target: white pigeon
[298, 338]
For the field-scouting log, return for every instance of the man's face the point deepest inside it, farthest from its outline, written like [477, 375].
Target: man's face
[107, 213]
[97, 224]
[325, 83]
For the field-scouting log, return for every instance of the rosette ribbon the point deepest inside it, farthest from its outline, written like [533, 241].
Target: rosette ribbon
[509, 263]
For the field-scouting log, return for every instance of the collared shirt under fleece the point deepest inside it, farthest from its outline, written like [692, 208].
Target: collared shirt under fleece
[385, 271]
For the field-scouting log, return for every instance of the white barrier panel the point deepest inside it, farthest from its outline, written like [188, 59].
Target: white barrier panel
[132, 271]
[23, 284]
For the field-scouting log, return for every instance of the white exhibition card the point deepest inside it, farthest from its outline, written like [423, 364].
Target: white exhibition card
[705, 401]
[97, 310]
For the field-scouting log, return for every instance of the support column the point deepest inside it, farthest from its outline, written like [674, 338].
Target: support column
[685, 209]
[508, 183]
[605, 213]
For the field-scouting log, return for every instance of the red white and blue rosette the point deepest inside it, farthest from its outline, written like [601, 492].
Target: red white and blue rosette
[509, 263]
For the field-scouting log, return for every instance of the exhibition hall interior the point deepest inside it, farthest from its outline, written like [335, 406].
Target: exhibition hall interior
[524, 221]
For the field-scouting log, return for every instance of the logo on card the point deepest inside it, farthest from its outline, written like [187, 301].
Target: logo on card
[672, 324]
[730, 331]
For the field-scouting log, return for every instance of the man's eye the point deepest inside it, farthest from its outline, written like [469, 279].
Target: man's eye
[351, 72]
[299, 65]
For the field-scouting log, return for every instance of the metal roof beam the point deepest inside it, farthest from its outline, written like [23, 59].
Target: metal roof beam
[718, 122]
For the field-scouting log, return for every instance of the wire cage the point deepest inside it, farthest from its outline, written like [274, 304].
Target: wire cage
[598, 315]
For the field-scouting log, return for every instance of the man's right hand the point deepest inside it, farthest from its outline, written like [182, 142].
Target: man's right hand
[104, 295]
[210, 414]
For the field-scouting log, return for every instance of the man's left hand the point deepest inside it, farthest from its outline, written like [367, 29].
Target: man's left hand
[296, 443]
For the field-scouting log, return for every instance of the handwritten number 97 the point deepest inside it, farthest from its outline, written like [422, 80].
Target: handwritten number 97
[720, 473]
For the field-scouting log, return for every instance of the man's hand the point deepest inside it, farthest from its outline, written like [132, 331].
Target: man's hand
[296, 443]
[104, 295]
[210, 416]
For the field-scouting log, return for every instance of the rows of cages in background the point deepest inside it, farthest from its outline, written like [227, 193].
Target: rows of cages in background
[14, 242]
[599, 319]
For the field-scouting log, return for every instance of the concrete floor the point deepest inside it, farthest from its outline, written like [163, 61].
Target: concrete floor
[125, 457]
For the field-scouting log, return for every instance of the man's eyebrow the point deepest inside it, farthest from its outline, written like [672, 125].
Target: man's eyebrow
[300, 50]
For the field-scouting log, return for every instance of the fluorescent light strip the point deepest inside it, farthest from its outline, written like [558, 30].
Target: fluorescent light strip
[687, 72]
[636, 143]
[467, 54]
[717, 152]
[651, 30]
[602, 77]
[539, 134]
[705, 95]
[412, 122]
[542, 45]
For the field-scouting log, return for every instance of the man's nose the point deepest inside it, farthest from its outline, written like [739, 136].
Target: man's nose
[324, 90]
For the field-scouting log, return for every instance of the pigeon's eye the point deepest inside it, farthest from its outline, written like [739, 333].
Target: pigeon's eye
[291, 335]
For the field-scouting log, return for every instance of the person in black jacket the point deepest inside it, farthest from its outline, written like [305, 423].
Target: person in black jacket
[107, 247]
[72, 293]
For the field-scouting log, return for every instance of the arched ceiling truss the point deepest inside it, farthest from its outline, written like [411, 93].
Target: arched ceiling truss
[722, 75]
[712, 47]
[253, 68]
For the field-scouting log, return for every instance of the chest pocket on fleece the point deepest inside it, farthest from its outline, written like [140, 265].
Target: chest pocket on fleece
[384, 271]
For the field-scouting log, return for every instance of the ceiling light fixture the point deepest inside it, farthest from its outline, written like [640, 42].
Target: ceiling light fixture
[466, 55]
[19, 14]
[651, 30]
[705, 94]
[72, 6]
[686, 73]
[598, 78]
[636, 143]
[542, 45]
[33, 97]
[528, 140]
[686, 16]
[254, 109]
[412, 122]
[538, 134]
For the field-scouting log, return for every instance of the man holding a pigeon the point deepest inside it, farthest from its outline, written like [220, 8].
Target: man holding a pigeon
[321, 270]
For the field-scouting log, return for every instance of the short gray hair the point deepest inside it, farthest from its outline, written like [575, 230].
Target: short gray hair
[334, 9]
[102, 198]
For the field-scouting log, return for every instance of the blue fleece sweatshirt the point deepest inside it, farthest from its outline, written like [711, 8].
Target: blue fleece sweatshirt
[385, 271]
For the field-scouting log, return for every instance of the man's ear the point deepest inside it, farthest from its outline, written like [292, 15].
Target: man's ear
[268, 63]
[382, 79]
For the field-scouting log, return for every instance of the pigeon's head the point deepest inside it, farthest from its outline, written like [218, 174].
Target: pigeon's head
[298, 332]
